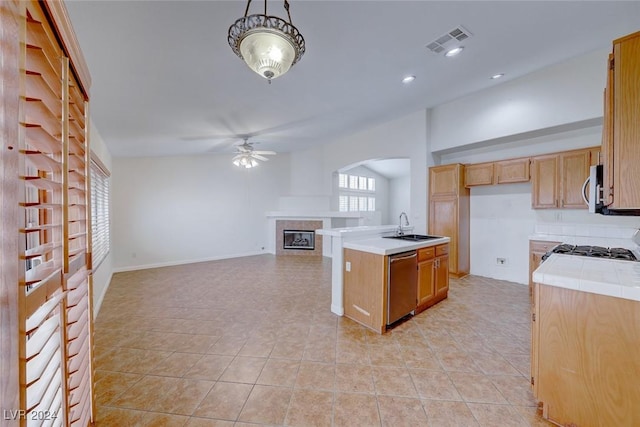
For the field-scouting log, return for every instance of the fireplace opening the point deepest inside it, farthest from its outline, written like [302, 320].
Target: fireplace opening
[299, 239]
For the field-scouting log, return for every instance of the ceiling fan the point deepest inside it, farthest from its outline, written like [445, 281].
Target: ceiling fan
[247, 157]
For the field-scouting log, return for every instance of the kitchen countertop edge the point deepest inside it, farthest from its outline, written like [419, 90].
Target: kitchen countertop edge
[385, 246]
[616, 278]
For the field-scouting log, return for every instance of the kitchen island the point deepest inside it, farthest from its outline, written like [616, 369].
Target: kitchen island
[370, 289]
[585, 338]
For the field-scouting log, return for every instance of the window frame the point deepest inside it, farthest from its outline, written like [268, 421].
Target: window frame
[100, 211]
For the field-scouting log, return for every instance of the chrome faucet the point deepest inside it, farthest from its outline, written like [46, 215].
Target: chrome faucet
[406, 223]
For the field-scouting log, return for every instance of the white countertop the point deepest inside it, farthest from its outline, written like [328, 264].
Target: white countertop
[384, 246]
[362, 230]
[616, 278]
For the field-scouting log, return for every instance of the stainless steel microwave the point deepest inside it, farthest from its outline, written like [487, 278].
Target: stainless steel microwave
[593, 195]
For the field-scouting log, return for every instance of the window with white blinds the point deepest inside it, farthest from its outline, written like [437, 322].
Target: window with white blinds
[100, 228]
[356, 193]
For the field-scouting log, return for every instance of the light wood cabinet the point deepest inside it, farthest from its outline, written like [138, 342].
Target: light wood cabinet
[544, 188]
[445, 181]
[426, 289]
[449, 214]
[557, 179]
[433, 276]
[365, 285]
[512, 171]
[500, 172]
[621, 130]
[478, 174]
[584, 360]
[441, 278]
[537, 248]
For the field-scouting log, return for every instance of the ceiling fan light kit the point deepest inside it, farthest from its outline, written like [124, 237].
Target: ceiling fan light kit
[247, 157]
[245, 161]
[269, 45]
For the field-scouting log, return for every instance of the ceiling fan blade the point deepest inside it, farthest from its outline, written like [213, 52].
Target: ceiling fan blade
[259, 157]
[266, 153]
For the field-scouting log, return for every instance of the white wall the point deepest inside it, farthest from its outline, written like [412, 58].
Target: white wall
[400, 138]
[399, 197]
[173, 210]
[569, 92]
[102, 274]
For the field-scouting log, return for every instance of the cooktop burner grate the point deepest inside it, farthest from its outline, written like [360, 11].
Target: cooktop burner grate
[592, 251]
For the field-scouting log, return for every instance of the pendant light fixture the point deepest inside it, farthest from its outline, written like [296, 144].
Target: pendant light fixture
[268, 44]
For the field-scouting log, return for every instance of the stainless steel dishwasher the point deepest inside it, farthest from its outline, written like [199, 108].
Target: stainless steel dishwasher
[402, 285]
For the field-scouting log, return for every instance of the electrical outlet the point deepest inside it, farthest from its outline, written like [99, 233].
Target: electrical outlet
[501, 261]
[347, 266]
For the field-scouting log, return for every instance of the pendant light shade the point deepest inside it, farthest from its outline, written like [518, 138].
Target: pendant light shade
[269, 45]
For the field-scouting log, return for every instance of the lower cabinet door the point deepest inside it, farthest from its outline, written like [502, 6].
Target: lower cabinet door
[426, 285]
[442, 275]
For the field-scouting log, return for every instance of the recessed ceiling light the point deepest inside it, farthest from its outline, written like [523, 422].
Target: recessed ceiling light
[408, 79]
[497, 76]
[453, 52]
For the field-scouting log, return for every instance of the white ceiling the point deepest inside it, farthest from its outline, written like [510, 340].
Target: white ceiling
[165, 81]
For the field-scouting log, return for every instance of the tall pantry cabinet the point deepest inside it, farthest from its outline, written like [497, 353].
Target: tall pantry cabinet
[45, 230]
[449, 213]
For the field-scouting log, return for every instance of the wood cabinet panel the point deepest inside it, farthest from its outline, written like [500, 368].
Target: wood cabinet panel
[444, 180]
[449, 214]
[574, 170]
[433, 276]
[426, 283]
[511, 171]
[586, 365]
[537, 248]
[625, 121]
[365, 288]
[606, 156]
[478, 174]
[443, 221]
[558, 178]
[426, 253]
[544, 173]
[441, 276]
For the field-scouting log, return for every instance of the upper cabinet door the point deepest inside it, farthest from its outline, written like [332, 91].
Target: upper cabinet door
[544, 174]
[626, 123]
[478, 174]
[510, 171]
[574, 167]
[444, 180]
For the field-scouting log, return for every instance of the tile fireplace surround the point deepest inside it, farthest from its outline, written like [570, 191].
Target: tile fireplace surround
[291, 224]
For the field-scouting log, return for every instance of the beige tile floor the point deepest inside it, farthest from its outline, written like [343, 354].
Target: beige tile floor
[252, 341]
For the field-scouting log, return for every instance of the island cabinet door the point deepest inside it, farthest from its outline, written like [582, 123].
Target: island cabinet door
[442, 276]
[426, 283]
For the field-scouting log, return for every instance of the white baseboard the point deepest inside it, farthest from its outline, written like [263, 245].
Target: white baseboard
[190, 261]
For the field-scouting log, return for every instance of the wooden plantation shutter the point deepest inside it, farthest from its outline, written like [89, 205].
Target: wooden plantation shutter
[41, 170]
[46, 301]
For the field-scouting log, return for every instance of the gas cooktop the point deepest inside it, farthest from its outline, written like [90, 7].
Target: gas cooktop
[593, 251]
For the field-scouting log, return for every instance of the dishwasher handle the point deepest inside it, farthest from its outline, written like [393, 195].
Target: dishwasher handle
[403, 257]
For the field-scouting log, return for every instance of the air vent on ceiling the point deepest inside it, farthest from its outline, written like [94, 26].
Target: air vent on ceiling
[449, 39]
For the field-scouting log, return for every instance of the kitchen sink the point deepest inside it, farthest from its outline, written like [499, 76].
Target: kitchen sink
[413, 237]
